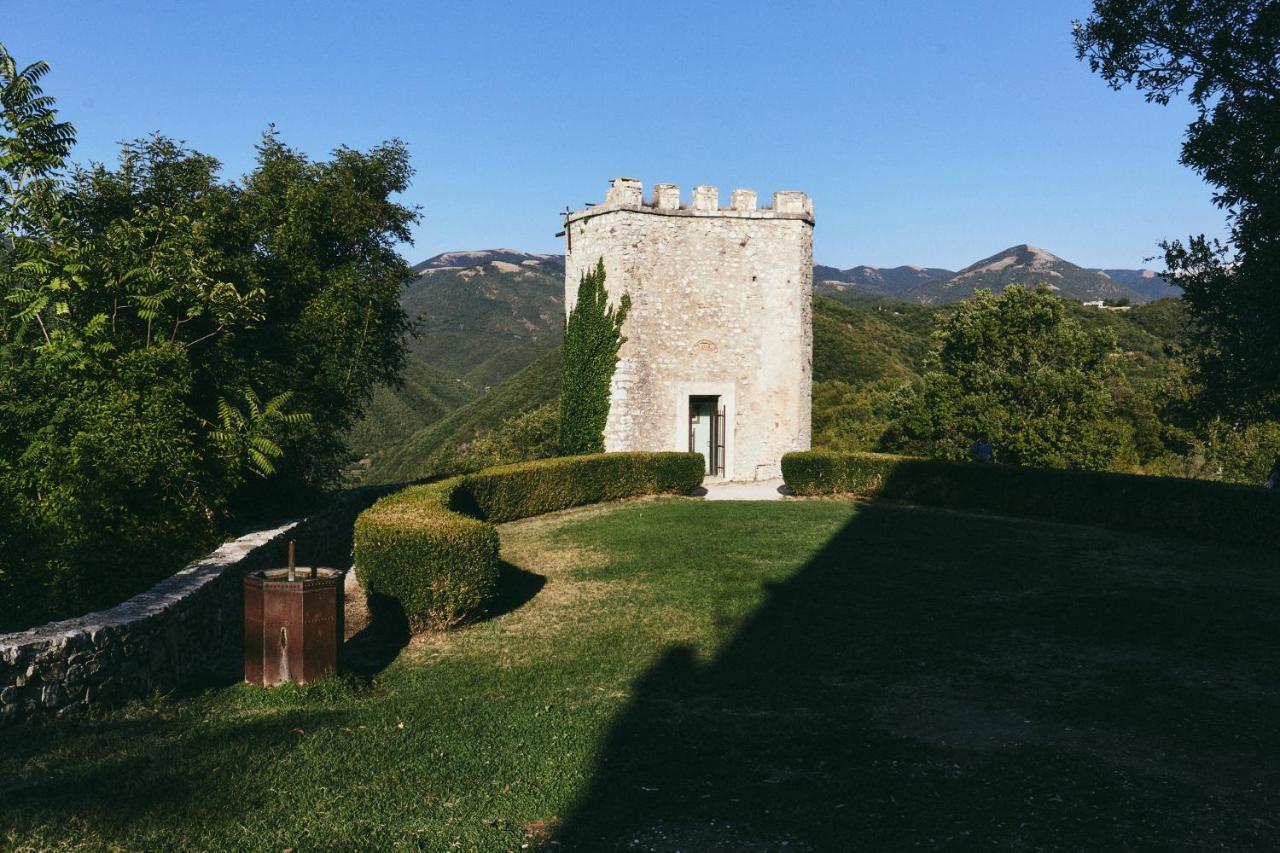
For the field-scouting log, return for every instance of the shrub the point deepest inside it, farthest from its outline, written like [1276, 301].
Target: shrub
[438, 564]
[1219, 512]
[592, 338]
[433, 548]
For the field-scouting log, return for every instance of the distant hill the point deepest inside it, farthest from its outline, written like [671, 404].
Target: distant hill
[481, 257]
[484, 315]
[1022, 264]
[895, 282]
[1148, 284]
[427, 395]
[869, 340]
[436, 448]
[487, 313]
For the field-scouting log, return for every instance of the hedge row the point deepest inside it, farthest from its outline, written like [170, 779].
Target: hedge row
[1219, 512]
[433, 548]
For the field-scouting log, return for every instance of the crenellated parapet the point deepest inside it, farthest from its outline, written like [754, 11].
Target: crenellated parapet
[628, 194]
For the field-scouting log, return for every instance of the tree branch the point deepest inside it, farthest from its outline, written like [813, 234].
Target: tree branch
[43, 330]
[203, 337]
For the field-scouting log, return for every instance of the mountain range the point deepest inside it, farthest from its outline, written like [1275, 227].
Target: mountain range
[1022, 264]
[480, 272]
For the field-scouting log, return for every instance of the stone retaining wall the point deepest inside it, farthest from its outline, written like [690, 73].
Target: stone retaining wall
[185, 631]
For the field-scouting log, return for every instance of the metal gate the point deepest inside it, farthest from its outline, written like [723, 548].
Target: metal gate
[717, 432]
[714, 448]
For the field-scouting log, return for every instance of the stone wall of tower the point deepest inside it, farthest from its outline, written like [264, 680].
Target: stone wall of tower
[721, 304]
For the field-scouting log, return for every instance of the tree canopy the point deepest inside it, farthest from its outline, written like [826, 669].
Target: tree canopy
[1222, 54]
[177, 350]
[1012, 369]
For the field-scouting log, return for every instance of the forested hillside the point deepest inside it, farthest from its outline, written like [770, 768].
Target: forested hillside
[514, 421]
[479, 319]
[394, 414]
[483, 316]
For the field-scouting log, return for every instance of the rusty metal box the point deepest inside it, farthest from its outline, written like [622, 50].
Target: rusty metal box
[292, 628]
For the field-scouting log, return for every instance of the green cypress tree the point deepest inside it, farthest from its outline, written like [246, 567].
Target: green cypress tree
[592, 338]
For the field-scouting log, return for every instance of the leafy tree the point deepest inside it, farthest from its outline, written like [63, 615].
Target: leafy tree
[33, 143]
[1015, 370]
[520, 438]
[592, 338]
[146, 311]
[851, 417]
[1222, 54]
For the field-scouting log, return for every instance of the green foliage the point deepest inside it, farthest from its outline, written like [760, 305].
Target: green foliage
[1222, 54]
[1216, 512]
[33, 143]
[530, 435]
[103, 475]
[865, 349]
[481, 432]
[592, 338]
[425, 395]
[248, 439]
[1221, 450]
[849, 417]
[546, 485]
[433, 548]
[146, 311]
[1243, 454]
[1015, 370]
[868, 342]
[439, 565]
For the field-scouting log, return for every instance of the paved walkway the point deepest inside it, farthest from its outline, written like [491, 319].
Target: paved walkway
[760, 490]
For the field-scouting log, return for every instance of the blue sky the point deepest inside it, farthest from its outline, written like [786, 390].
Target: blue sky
[927, 132]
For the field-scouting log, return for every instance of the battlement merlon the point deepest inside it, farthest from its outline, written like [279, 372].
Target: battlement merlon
[627, 194]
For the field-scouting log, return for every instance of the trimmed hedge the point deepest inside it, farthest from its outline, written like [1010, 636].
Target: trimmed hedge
[433, 548]
[1217, 512]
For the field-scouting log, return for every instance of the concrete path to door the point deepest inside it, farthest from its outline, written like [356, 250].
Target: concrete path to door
[760, 490]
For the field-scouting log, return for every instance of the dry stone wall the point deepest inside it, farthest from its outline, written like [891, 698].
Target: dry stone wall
[185, 631]
[721, 306]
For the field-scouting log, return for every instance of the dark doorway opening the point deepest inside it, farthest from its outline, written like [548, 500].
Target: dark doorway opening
[706, 432]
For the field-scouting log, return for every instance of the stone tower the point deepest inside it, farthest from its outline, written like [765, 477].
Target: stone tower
[719, 348]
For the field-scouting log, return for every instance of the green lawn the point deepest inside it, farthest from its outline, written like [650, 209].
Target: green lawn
[737, 676]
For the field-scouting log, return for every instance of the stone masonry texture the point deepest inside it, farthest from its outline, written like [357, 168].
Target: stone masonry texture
[721, 305]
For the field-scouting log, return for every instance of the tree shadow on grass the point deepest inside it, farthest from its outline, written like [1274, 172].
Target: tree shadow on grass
[122, 773]
[940, 680]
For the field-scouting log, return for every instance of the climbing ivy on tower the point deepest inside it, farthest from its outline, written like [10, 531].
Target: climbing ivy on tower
[592, 338]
